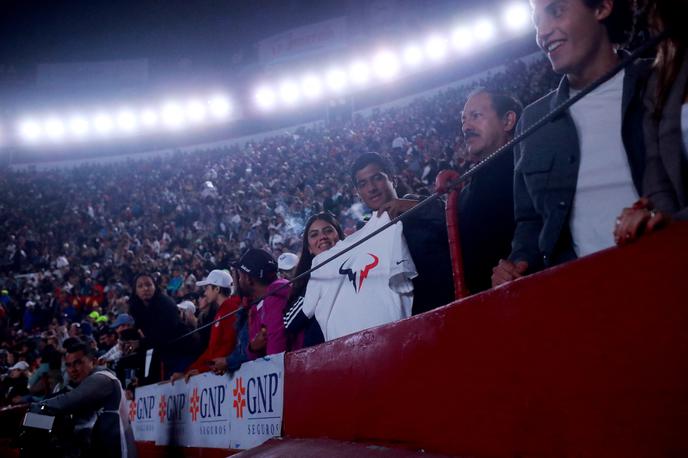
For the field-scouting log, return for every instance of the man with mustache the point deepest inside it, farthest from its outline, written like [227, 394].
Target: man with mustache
[486, 212]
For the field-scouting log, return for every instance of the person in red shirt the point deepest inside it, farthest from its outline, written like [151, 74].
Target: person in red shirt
[218, 289]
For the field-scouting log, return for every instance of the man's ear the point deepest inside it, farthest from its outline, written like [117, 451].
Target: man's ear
[509, 121]
[604, 9]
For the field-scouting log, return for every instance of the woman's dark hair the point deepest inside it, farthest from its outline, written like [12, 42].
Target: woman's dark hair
[306, 258]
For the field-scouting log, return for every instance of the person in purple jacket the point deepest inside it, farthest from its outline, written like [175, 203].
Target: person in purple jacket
[257, 272]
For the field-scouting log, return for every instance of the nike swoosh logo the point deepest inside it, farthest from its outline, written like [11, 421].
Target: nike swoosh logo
[403, 260]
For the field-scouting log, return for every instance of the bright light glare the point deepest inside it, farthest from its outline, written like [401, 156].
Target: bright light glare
[102, 123]
[29, 130]
[149, 118]
[219, 106]
[78, 126]
[517, 17]
[126, 121]
[359, 73]
[172, 115]
[289, 92]
[311, 86]
[462, 39]
[54, 129]
[484, 30]
[265, 98]
[195, 111]
[413, 55]
[386, 65]
[336, 80]
[436, 47]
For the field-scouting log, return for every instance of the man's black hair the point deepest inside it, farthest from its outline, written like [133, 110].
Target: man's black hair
[80, 347]
[619, 23]
[366, 159]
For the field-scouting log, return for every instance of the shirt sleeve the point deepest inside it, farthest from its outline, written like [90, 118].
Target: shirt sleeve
[273, 321]
[90, 394]
[402, 268]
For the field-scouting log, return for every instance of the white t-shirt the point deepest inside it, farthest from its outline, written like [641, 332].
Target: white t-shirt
[368, 286]
[605, 184]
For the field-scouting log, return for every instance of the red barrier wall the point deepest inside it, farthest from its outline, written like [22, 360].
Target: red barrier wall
[587, 359]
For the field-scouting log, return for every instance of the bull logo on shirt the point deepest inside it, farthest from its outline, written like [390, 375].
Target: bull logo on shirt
[355, 269]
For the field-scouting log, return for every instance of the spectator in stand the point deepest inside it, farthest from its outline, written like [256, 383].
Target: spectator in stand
[573, 176]
[486, 203]
[286, 265]
[16, 384]
[425, 232]
[321, 233]
[257, 278]
[156, 316]
[187, 314]
[666, 130]
[219, 288]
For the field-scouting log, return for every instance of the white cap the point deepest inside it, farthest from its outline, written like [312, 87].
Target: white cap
[186, 306]
[287, 261]
[219, 278]
[21, 366]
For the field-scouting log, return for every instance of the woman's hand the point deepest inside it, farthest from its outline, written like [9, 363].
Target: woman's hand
[638, 219]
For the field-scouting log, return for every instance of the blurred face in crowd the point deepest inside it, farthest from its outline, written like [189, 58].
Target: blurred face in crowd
[244, 284]
[374, 186]
[321, 236]
[210, 293]
[484, 130]
[570, 32]
[145, 288]
[78, 366]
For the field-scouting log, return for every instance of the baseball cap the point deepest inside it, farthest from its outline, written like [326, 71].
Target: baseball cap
[94, 315]
[122, 319]
[187, 305]
[219, 278]
[21, 365]
[257, 263]
[287, 261]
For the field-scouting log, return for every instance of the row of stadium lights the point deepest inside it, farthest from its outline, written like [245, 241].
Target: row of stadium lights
[383, 66]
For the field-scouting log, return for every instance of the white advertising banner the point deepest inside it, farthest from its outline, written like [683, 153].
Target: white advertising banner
[212, 411]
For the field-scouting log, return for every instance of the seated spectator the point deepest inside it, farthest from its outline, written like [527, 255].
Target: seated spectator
[321, 233]
[486, 203]
[574, 175]
[425, 232]
[665, 182]
[156, 316]
[16, 384]
[286, 265]
[187, 311]
[218, 290]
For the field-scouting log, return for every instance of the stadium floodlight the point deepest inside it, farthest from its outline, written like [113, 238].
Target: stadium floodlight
[289, 92]
[359, 73]
[385, 65]
[103, 123]
[436, 48]
[517, 17]
[336, 80]
[413, 55]
[149, 118]
[219, 107]
[78, 126]
[265, 98]
[126, 121]
[172, 115]
[54, 129]
[462, 39]
[484, 30]
[29, 130]
[195, 111]
[311, 87]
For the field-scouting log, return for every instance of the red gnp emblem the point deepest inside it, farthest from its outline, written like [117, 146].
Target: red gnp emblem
[132, 410]
[193, 407]
[351, 271]
[162, 411]
[239, 393]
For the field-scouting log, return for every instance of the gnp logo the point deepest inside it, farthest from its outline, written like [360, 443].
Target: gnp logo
[260, 393]
[239, 393]
[171, 407]
[144, 407]
[132, 410]
[207, 404]
[359, 266]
